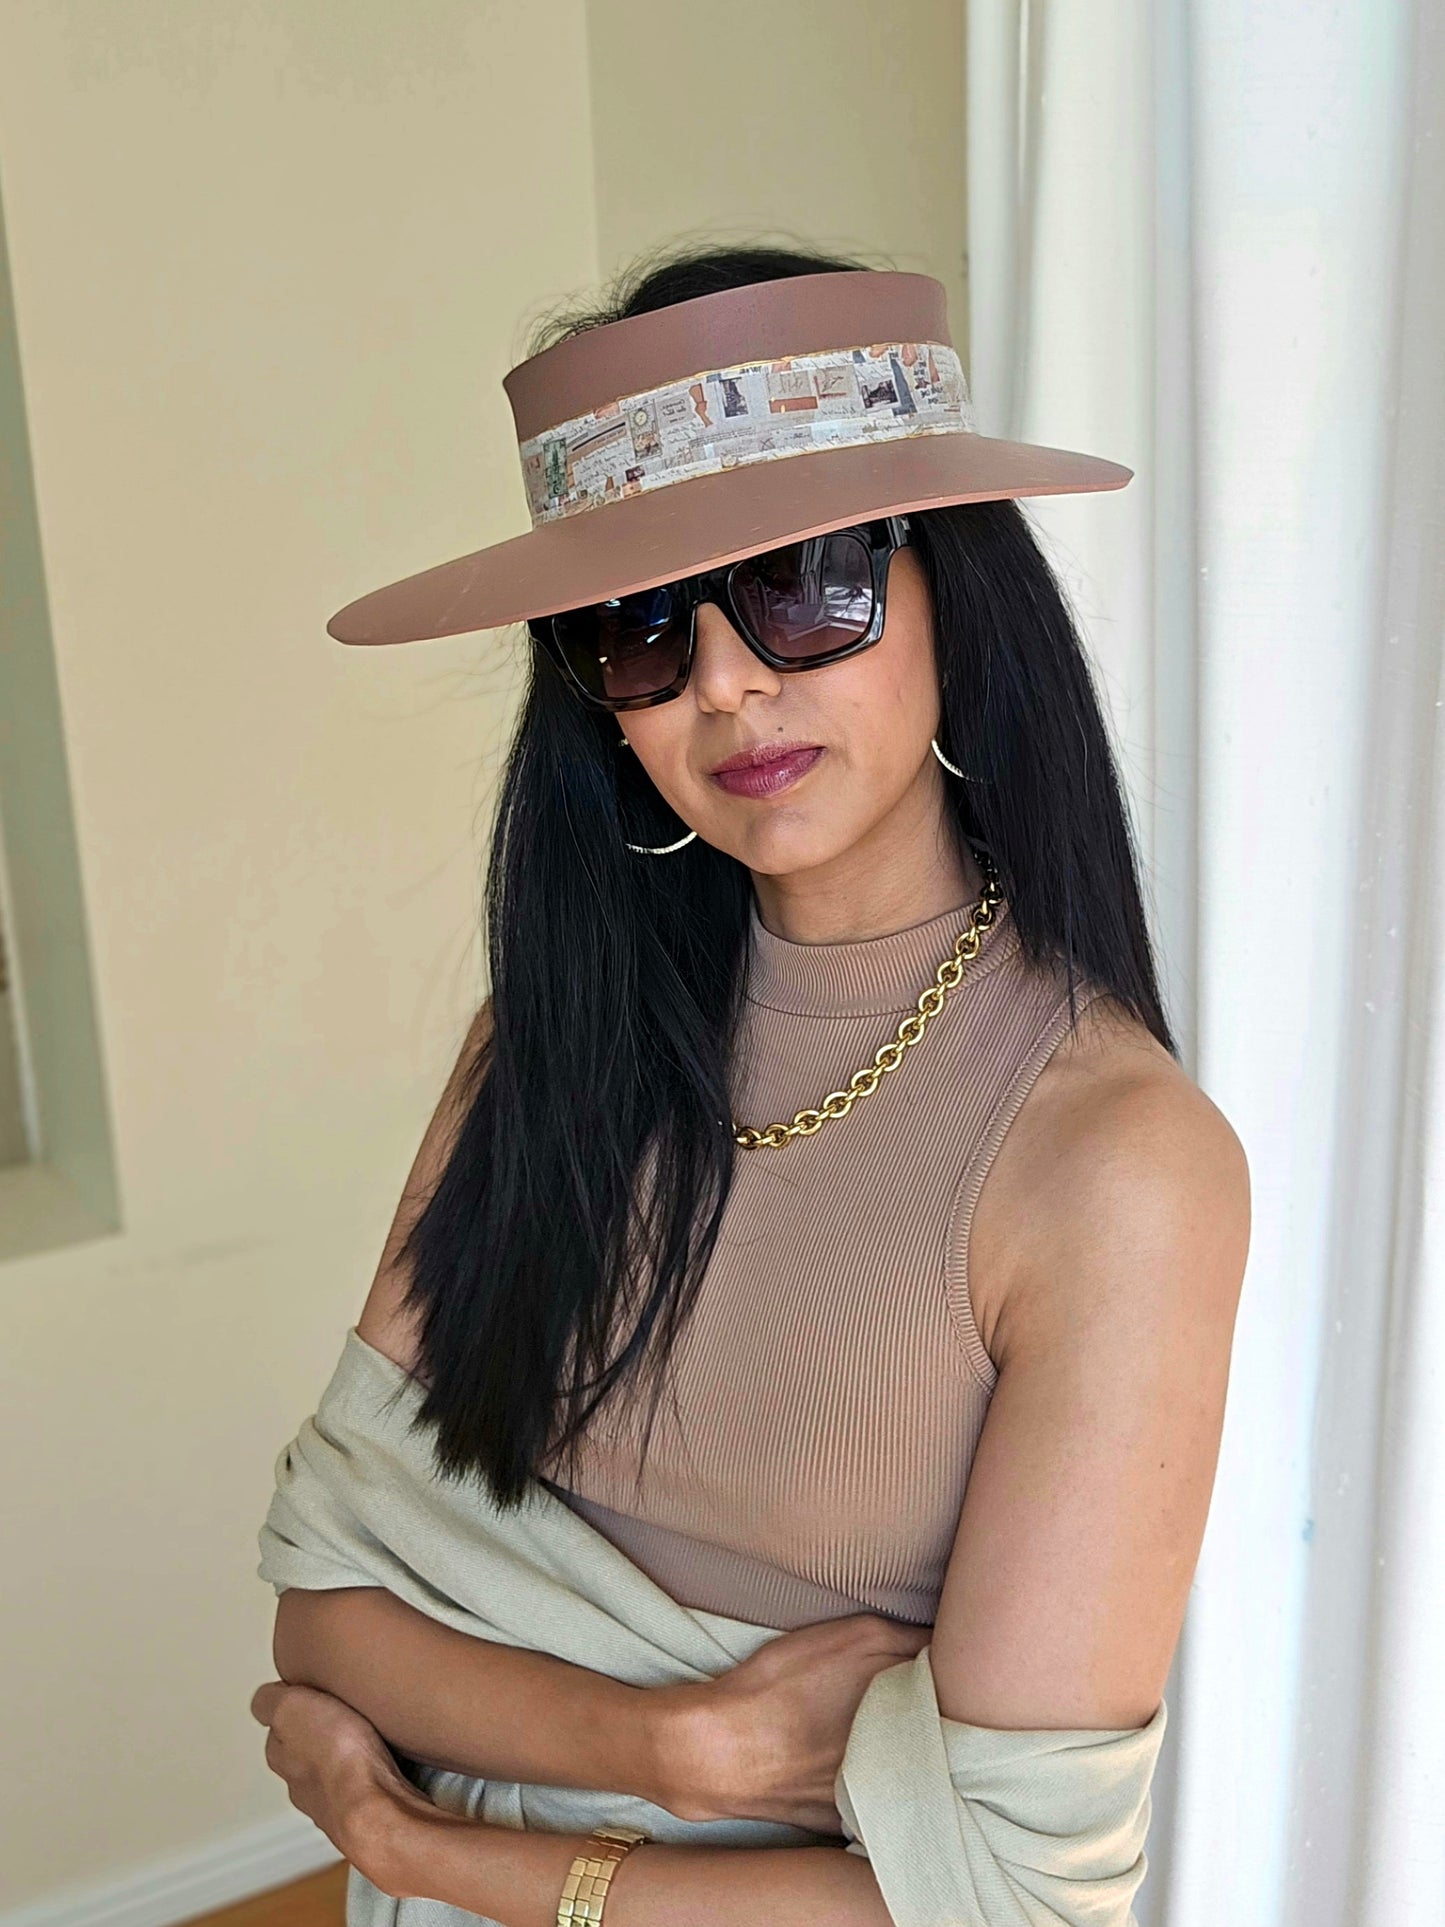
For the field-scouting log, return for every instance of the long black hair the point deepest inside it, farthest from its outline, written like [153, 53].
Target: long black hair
[567, 1236]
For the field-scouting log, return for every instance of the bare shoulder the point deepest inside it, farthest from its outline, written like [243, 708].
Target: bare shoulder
[1114, 1250]
[387, 1323]
[1116, 1150]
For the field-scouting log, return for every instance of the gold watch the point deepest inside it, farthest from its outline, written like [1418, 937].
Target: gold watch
[585, 1887]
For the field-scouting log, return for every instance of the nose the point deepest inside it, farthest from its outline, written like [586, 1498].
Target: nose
[724, 669]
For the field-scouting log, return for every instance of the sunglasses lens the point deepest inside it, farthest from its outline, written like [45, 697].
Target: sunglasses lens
[804, 602]
[808, 598]
[631, 646]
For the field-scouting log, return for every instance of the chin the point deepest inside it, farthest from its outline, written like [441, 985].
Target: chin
[780, 850]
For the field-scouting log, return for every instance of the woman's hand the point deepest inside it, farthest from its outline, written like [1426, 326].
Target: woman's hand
[340, 1773]
[764, 1740]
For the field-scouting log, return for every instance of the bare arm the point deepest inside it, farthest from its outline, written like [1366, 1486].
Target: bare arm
[506, 1874]
[437, 1694]
[474, 1706]
[1086, 1504]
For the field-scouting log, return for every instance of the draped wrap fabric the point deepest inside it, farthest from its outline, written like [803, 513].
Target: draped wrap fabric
[964, 1826]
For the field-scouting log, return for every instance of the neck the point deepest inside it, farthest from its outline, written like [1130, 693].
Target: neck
[904, 871]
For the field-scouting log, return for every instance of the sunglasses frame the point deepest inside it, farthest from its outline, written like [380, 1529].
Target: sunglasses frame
[885, 535]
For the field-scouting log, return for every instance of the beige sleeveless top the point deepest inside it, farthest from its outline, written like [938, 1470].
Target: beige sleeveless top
[811, 1449]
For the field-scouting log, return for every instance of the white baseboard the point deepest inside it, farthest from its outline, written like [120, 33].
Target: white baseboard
[183, 1885]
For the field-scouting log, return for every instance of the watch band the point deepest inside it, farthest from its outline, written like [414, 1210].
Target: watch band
[585, 1887]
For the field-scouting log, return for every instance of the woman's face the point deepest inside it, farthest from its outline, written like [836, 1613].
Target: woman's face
[871, 716]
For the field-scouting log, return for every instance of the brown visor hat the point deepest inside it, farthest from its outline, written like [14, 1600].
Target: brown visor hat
[680, 440]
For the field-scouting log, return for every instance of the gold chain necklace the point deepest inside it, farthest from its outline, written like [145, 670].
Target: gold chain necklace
[889, 1056]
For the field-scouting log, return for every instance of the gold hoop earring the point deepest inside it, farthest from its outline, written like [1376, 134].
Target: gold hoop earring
[952, 766]
[654, 849]
[661, 849]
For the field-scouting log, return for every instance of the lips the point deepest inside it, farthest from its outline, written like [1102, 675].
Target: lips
[767, 775]
[760, 753]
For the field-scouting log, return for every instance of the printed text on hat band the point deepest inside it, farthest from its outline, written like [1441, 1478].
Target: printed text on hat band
[757, 411]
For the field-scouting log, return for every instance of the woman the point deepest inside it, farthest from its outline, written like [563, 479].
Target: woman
[947, 1349]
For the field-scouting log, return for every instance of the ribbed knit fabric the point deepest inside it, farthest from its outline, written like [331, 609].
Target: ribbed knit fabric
[830, 1382]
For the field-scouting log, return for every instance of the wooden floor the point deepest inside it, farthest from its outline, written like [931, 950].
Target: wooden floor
[317, 1901]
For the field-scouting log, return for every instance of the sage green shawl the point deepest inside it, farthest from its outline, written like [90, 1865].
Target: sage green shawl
[964, 1826]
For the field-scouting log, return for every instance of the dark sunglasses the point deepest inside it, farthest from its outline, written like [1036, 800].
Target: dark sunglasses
[796, 607]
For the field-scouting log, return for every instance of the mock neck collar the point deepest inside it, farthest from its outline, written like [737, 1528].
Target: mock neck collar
[868, 976]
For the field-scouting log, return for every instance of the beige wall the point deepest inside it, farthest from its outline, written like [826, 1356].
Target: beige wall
[269, 266]
[835, 122]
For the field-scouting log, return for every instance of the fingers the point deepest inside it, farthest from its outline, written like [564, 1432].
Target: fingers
[266, 1699]
[903, 1636]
